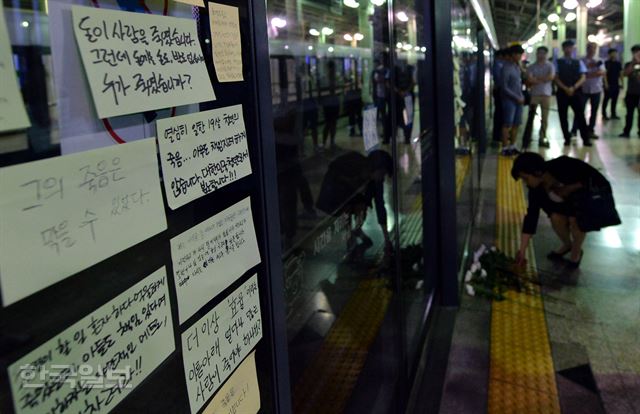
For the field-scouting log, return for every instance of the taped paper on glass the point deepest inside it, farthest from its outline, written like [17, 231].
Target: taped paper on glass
[226, 43]
[215, 345]
[138, 62]
[370, 128]
[96, 362]
[202, 152]
[61, 215]
[209, 257]
[240, 394]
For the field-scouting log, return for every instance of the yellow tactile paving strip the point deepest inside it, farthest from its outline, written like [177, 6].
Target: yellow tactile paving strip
[327, 383]
[522, 378]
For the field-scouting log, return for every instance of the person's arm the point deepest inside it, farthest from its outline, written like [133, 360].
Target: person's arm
[552, 74]
[529, 224]
[561, 84]
[578, 84]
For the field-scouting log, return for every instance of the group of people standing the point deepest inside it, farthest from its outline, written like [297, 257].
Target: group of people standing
[576, 83]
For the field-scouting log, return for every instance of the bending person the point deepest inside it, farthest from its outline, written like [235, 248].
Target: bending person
[575, 195]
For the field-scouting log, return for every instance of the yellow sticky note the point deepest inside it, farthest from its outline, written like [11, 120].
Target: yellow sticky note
[12, 112]
[61, 215]
[138, 62]
[239, 395]
[196, 3]
[225, 42]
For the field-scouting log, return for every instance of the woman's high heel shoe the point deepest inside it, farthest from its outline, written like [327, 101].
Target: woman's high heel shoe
[574, 265]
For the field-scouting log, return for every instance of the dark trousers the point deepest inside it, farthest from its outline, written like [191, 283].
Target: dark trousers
[576, 103]
[381, 104]
[610, 94]
[594, 101]
[631, 102]
[497, 116]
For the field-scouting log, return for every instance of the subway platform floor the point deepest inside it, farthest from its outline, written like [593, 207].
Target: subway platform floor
[591, 316]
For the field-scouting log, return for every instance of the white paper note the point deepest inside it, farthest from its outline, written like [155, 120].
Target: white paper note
[225, 42]
[63, 214]
[202, 152]
[370, 128]
[12, 112]
[240, 394]
[138, 62]
[215, 345]
[95, 363]
[197, 3]
[209, 257]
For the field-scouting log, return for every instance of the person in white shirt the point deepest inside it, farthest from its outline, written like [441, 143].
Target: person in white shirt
[540, 75]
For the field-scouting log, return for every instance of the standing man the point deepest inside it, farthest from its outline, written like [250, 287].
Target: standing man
[632, 100]
[570, 75]
[512, 99]
[539, 77]
[592, 88]
[612, 84]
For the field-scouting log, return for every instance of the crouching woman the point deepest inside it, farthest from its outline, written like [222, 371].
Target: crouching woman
[575, 196]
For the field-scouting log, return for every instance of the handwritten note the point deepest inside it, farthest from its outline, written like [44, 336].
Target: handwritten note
[197, 3]
[215, 345]
[138, 62]
[202, 152]
[211, 256]
[240, 394]
[95, 363]
[225, 42]
[63, 214]
[12, 113]
[370, 128]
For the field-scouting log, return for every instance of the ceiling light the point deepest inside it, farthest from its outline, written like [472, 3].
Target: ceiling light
[529, 49]
[423, 49]
[593, 3]
[553, 17]
[571, 16]
[406, 47]
[616, 37]
[347, 37]
[314, 32]
[570, 4]
[416, 48]
[600, 18]
[402, 16]
[286, 47]
[543, 26]
[310, 47]
[278, 22]
[377, 2]
[554, 27]
[330, 49]
[358, 36]
[399, 45]
[327, 31]
[351, 3]
[25, 23]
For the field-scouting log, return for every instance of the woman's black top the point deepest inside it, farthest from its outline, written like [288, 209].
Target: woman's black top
[567, 171]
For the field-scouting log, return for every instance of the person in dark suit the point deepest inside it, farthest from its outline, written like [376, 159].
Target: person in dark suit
[558, 187]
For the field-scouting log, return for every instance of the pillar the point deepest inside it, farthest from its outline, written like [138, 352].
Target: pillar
[562, 33]
[581, 29]
[631, 18]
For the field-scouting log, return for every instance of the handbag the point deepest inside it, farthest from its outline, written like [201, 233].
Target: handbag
[596, 208]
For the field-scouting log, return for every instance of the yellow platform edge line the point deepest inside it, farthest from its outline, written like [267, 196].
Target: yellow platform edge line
[521, 372]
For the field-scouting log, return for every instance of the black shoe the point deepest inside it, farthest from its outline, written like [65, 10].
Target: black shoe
[587, 143]
[574, 265]
[567, 142]
[544, 144]
[555, 256]
[615, 117]
[593, 136]
[605, 118]
[624, 135]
